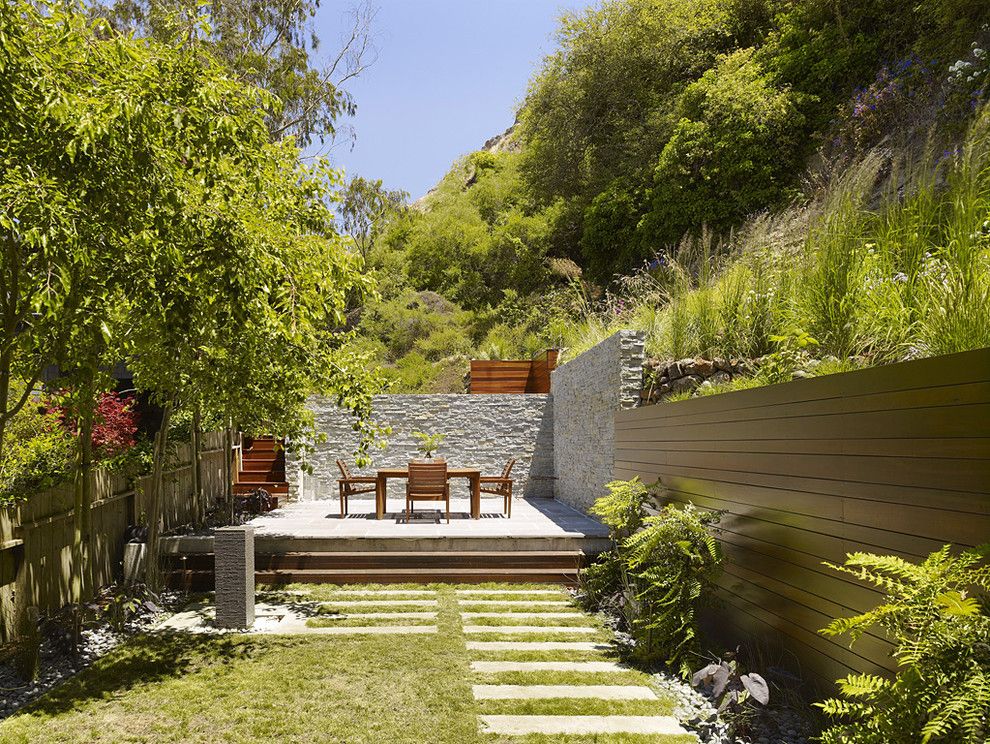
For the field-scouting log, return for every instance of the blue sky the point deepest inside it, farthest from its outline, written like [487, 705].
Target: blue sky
[449, 75]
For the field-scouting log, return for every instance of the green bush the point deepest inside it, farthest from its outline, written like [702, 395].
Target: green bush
[731, 152]
[664, 564]
[37, 451]
[936, 614]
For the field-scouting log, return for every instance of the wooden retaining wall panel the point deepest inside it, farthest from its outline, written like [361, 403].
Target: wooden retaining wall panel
[892, 459]
[512, 376]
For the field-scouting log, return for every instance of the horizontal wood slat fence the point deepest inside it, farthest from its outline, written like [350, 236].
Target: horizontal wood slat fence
[892, 459]
[500, 376]
[36, 536]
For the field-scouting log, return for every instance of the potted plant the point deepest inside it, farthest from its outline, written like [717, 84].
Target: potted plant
[428, 443]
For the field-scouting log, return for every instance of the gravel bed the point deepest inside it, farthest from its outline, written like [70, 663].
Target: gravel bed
[57, 664]
[775, 724]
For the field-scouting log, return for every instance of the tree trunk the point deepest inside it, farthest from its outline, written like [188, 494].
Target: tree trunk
[82, 580]
[228, 474]
[153, 574]
[199, 505]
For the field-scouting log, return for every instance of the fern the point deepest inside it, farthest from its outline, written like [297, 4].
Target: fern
[666, 562]
[936, 613]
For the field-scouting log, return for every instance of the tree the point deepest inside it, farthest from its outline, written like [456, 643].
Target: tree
[272, 46]
[365, 207]
[149, 166]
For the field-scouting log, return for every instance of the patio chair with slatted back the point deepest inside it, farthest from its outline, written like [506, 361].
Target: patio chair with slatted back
[500, 485]
[351, 485]
[427, 482]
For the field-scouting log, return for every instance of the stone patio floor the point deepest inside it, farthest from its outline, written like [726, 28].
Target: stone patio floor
[530, 518]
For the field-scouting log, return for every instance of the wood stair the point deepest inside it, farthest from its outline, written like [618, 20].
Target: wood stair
[263, 466]
[194, 571]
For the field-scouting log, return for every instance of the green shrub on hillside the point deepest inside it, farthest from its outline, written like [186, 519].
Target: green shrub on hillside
[732, 152]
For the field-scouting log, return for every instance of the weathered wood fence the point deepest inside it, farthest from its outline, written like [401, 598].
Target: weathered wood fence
[892, 460]
[36, 536]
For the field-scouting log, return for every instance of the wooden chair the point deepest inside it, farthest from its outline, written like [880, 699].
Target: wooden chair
[351, 485]
[500, 485]
[427, 482]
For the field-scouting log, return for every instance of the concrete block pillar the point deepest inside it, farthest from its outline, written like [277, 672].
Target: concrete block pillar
[233, 549]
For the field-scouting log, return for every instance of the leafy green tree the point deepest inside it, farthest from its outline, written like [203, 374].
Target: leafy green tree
[732, 152]
[271, 45]
[365, 207]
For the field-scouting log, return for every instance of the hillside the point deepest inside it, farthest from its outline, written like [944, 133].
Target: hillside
[788, 182]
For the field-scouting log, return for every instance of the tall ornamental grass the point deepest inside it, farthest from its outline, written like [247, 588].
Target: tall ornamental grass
[892, 263]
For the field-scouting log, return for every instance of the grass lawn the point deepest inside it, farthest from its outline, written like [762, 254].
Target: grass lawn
[310, 688]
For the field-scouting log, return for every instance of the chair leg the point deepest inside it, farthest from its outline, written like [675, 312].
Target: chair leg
[448, 507]
[508, 503]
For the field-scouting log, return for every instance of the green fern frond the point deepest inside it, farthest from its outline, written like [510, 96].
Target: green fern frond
[862, 685]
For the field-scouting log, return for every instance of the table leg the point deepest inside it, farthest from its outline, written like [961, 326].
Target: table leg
[476, 496]
[380, 485]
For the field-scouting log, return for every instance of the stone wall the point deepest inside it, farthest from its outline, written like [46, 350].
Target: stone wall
[587, 391]
[482, 430]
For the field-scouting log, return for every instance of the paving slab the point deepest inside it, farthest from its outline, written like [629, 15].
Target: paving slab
[593, 667]
[540, 692]
[577, 725]
[370, 630]
[383, 602]
[383, 615]
[520, 615]
[516, 602]
[537, 646]
[555, 592]
[528, 629]
[385, 592]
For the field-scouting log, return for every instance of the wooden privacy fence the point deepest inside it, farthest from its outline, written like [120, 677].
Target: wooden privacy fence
[892, 459]
[36, 536]
[505, 376]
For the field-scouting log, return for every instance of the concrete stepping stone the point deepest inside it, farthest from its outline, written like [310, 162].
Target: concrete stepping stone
[577, 725]
[520, 615]
[528, 629]
[383, 602]
[383, 615]
[539, 692]
[554, 592]
[374, 630]
[536, 646]
[594, 667]
[516, 602]
[385, 592]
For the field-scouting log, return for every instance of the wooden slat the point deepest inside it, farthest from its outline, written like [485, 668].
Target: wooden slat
[888, 460]
[512, 376]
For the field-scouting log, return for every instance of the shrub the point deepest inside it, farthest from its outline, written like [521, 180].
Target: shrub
[664, 565]
[731, 152]
[115, 425]
[936, 615]
[37, 451]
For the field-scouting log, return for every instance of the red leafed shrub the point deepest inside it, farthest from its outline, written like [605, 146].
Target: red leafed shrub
[114, 426]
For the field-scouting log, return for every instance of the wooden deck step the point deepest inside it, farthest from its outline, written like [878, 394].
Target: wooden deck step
[199, 579]
[417, 575]
[273, 488]
[565, 560]
[264, 476]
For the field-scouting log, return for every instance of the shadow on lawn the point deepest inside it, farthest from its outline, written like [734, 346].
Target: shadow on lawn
[145, 659]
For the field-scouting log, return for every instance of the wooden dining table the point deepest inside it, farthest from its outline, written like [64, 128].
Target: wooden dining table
[473, 476]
